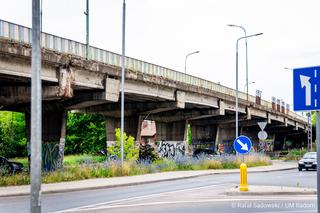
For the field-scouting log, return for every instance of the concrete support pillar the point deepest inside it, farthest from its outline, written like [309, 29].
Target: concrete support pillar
[188, 149]
[131, 127]
[203, 136]
[174, 131]
[52, 127]
[225, 136]
[172, 138]
[138, 137]
[62, 138]
[217, 136]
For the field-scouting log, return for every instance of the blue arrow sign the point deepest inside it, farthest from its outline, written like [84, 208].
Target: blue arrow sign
[306, 94]
[242, 144]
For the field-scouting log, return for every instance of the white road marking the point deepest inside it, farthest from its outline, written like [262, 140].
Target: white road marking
[190, 201]
[294, 211]
[134, 198]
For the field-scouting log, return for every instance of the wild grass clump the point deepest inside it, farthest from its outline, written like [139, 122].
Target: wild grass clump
[14, 180]
[257, 159]
[295, 154]
[165, 165]
[85, 167]
[74, 160]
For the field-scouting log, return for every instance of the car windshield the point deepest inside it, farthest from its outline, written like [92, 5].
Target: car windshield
[310, 155]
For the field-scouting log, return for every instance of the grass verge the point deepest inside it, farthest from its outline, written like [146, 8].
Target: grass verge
[85, 167]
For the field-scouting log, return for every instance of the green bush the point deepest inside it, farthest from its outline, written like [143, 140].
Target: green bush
[12, 134]
[85, 134]
[130, 150]
[147, 153]
[295, 154]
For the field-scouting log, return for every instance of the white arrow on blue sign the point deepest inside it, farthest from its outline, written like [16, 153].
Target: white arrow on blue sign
[242, 144]
[306, 94]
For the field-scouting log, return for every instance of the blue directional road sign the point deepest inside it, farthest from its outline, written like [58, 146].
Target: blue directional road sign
[242, 144]
[306, 94]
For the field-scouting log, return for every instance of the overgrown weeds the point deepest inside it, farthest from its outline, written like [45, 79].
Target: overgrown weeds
[85, 167]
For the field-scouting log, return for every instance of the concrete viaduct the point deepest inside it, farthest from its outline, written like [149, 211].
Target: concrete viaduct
[171, 98]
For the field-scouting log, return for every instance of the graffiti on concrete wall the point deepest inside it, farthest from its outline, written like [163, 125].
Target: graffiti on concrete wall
[266, 146]
[171, 149]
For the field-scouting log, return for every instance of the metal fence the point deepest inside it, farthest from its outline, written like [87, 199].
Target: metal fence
[56, 43]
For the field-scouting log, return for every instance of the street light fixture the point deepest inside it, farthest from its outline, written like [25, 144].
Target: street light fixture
[247, 73]
[185, 61]
[246, 85]
[237, 91]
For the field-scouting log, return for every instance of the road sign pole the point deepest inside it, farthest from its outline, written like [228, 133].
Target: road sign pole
[36, 110]
[318, 158]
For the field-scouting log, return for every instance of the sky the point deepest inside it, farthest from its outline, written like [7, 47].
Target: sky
[163, 32]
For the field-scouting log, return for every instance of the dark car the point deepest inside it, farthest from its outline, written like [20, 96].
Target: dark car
[308, 161]
[207, 153]
[10, 167]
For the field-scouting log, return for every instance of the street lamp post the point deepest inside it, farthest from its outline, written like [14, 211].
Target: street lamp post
[247, 73]
[237, 91]
[185, 61]
[123, 77]
[87, 30]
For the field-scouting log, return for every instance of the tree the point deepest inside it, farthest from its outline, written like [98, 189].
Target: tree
[12, 134]
[130, 150]
[85, 134]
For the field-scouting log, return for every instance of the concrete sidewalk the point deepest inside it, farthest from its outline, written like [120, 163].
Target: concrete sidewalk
[134, 180]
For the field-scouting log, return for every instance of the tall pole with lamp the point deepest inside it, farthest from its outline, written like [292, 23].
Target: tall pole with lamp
[87, 30]
[185, 60]
[237, 90]
[247, 72]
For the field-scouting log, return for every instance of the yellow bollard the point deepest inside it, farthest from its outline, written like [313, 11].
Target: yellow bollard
[243, 178]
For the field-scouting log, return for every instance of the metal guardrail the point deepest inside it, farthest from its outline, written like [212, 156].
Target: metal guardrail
[23, 34]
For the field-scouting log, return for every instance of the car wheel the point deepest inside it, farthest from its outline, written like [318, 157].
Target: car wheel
[300, 169]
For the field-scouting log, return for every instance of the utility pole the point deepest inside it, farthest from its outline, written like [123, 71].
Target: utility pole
[36, 110]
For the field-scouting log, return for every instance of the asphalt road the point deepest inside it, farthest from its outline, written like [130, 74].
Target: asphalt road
[201, 194]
